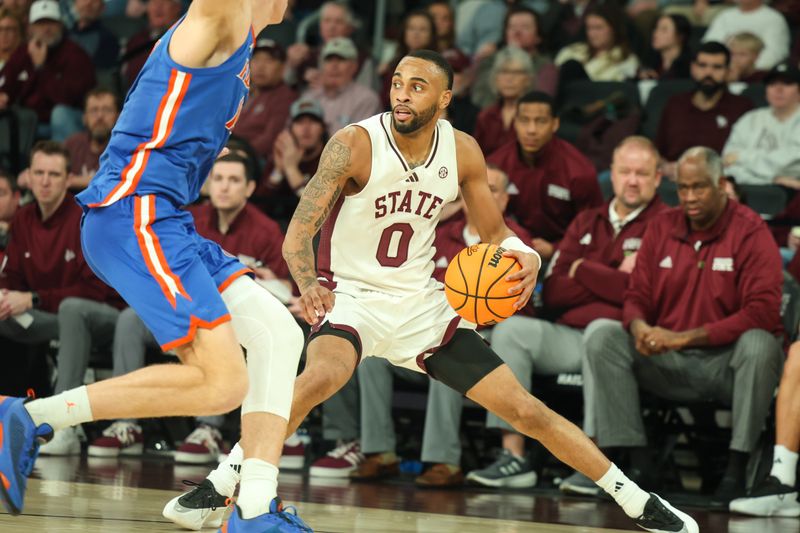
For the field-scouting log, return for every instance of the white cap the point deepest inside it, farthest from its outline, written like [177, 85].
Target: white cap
[44, 10]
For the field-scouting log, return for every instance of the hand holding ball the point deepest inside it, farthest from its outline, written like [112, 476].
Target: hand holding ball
[476, 287]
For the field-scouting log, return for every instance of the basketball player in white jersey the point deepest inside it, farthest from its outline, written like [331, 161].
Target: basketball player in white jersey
[379, 191]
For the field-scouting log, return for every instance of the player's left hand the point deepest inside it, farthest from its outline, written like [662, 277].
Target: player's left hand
[526, 276]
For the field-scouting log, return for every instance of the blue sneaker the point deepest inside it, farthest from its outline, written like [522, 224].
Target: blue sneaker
[279, 519]
[19, 447]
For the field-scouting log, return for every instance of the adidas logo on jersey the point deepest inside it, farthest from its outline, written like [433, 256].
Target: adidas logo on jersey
[413, 178]
[666, 262]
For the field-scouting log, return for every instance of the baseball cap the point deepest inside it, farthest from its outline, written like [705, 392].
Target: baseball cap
[341, 47]
[783, 72]
[44, 10]
[273, 47]
[306, 107]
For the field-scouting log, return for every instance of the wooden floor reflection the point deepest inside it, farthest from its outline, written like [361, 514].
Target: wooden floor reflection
[80, 494]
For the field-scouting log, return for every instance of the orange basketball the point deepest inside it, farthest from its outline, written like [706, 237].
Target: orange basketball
[475, 284]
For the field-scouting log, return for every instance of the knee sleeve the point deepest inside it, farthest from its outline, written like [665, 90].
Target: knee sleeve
[273, 341]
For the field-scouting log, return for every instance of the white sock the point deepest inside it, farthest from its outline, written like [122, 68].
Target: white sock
[227, 475]
[259, 487]
[67, 409]
[784, 465]
[625, 492]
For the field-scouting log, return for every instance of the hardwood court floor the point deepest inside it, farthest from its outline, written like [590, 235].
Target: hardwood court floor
[80, 494]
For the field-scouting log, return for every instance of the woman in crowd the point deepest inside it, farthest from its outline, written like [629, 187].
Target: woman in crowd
[521, 30]
[605, 55]
[670, 57]
[11, 31]
[512, 76]
[418, 32]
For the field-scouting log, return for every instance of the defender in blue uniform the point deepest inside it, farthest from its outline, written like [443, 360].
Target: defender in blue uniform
[176, 119]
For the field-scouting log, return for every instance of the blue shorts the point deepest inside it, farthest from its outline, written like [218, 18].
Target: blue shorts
[150, 252]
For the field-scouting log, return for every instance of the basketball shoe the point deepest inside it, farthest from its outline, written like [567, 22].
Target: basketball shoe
[202, 507]
[661, 517]
[19, 448]
[338, 462]
[122, 437]
[279, 519]
[202, 446]
[769, 498]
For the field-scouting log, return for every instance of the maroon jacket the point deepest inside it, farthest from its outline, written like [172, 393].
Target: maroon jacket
[65, 78]
[561, 183]
[252, 233]
[46, 257]
[79, 146]
[683, 125]
[730, 285]
[264, 117]
[490, 132]
[597, 289]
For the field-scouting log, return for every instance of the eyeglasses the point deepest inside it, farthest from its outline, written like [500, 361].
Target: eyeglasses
[512, 72]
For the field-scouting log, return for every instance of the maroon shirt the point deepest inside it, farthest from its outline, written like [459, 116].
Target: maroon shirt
[81, 155]
[264, 117]
[251, 233]
[683, 125]
[490, 132]
[730, 285]
[46, 257]
[597, 289]
[65, 78]
[561, 183]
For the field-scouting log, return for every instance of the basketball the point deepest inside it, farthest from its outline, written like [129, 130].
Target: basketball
[475, 284]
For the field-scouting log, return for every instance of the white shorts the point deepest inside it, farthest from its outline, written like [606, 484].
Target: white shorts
[402, 329]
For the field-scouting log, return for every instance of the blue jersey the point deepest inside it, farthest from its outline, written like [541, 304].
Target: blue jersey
[173, 125]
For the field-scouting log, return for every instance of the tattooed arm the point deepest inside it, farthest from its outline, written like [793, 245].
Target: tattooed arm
[337, 167]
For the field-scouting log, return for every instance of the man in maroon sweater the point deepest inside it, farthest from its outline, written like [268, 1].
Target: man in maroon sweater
[267, 110]
[9, 202]
[554, 180]
[593, 260]
[47, 280]
[100, 114]
[161, 14]
[701, 321]
[241, 229]
[51, 74]
[705, 116]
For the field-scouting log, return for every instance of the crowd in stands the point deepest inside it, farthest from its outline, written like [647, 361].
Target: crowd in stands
[649, 150]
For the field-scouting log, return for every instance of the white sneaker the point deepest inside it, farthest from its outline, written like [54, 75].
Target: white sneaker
[769, 498]
[64, 442]
[120, 438]
[202, 507]
[202, 446]
[338, 462]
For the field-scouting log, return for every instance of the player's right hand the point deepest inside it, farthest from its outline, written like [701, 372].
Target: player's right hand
[315, 302]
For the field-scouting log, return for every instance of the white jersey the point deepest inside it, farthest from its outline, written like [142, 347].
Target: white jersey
[381, 238]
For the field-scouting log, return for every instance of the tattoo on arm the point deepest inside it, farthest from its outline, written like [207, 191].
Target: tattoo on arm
[316, 203]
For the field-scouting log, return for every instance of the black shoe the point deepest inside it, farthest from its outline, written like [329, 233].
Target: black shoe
[660, 517]
[768, 498]
[728, 489]
[202, 507]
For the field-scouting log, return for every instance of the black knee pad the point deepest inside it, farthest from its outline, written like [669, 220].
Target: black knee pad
[463, 361]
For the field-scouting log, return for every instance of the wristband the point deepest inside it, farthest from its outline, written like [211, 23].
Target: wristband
[515, 243]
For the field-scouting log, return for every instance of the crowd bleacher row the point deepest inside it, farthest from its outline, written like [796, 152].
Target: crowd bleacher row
[649, 150]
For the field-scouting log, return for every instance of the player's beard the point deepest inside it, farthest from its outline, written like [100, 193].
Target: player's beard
[419, 120]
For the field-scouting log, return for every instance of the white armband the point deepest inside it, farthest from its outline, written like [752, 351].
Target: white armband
[515, 243]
